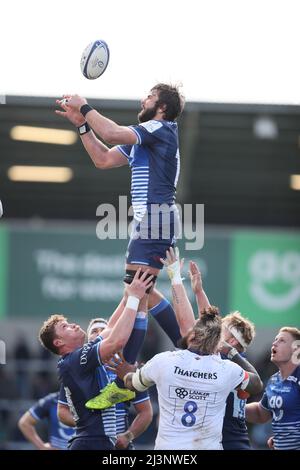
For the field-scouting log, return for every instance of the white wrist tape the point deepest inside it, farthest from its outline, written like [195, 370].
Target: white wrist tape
[132, 302]
[174, 272]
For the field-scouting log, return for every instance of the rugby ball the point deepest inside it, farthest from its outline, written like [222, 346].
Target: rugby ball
[94, 59]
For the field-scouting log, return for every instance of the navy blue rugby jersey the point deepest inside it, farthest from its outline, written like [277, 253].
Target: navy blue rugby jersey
[235, 432]
[46, 408]
[82, 375]
[282, 399]
[154, 163]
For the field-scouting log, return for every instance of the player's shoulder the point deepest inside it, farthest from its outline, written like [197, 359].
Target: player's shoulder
[152, 126]
[295, 376]
[274, 378]
[222, 361]
[52, 397]
[161, 357]
[48, 400]
[229, 366]
[296, 373]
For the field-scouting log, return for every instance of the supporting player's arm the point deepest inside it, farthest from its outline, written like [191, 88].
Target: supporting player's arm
[121, 331]
[255, 413]
[114, 318]
[197, 286]
[132, 377]
[255, 384]
[65, 416]
[27, 425]
[138, 426]
[182, 306]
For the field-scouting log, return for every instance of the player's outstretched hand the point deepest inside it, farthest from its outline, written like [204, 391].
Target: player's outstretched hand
[69, 112]
[195, 276]
[173, 265]
[75, 102]
[140, 284]
[120, 366]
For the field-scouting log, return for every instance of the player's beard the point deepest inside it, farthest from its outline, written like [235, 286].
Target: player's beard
[148, 114]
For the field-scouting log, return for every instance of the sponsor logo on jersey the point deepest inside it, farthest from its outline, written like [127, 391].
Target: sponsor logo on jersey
[191, 394]
[196, 374]
[84, 353]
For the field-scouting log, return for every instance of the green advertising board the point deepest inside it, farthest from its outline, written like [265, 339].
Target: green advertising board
[71, 271]
[65, 271]
[265, 277]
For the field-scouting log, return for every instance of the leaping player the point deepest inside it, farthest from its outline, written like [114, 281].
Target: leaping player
[151, 149]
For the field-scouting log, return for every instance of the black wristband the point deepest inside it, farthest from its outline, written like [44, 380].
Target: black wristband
[85, 108]
[84, 128]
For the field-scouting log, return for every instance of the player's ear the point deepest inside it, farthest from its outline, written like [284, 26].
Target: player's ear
[57, 342]
[163, 108]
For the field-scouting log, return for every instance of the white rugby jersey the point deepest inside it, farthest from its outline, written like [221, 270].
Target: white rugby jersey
[192, 392]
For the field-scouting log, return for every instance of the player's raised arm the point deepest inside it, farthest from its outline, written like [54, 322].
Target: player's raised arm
[182, 306]
[254, 385]
[197, 286]
[121, 331]
[108, 130]
[102, 156]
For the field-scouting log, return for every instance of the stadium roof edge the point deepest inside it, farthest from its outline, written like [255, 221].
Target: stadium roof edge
[41, 101]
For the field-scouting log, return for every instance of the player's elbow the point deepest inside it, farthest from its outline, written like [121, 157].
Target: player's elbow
[100, 164]
[64, 415]
[22, 423]
[255, 385]
[60, 415]
[99, 157]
